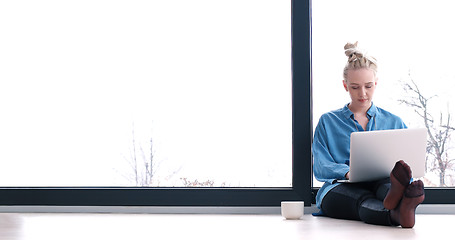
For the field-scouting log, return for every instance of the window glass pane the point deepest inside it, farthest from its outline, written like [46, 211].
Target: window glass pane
[146, 93]
[413, 44]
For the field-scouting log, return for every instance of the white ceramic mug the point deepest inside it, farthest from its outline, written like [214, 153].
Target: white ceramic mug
[292, 209]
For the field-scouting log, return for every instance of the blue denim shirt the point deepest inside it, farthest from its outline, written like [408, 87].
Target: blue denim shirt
[331, 143]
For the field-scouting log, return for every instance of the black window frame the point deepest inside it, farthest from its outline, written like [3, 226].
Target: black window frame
[301, 158]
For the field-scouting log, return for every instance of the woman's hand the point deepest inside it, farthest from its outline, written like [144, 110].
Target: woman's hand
[347, 175]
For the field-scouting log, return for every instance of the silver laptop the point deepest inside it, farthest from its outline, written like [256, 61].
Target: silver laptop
[374, 153]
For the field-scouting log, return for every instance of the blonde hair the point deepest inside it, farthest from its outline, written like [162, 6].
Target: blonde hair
[357, 59]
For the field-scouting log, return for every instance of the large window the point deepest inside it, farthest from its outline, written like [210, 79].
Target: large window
[121, 102]
[193, 103]
[146, 93]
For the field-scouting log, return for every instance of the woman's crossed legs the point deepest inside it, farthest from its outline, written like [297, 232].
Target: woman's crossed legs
[390, 201]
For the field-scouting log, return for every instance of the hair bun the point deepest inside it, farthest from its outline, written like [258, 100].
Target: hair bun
[353, 52]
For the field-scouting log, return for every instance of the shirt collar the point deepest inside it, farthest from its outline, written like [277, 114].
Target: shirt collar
[372, 111]
[349, 114]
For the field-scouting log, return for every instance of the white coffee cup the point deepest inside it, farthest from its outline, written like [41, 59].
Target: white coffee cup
[292, 209]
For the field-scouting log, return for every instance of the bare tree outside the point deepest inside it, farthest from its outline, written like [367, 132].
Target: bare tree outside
[141, 162]
[143, 166]
[439, 132]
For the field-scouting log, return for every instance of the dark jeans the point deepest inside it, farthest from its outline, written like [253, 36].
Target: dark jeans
[359, 201]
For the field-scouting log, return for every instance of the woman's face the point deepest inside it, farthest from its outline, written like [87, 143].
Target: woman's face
[360, 84]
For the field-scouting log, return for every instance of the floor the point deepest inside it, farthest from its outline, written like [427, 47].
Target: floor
[208, 226]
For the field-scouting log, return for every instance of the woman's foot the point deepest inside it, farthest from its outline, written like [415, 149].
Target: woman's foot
[413, 196]
[399, 179]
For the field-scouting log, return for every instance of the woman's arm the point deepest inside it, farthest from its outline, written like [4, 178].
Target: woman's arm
[325, 168]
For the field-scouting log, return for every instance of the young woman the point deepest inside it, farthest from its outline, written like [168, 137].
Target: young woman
[390, 201]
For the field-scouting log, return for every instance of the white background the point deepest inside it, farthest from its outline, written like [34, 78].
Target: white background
[208, 81]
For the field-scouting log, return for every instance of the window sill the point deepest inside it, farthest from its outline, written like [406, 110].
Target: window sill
[422, 209]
